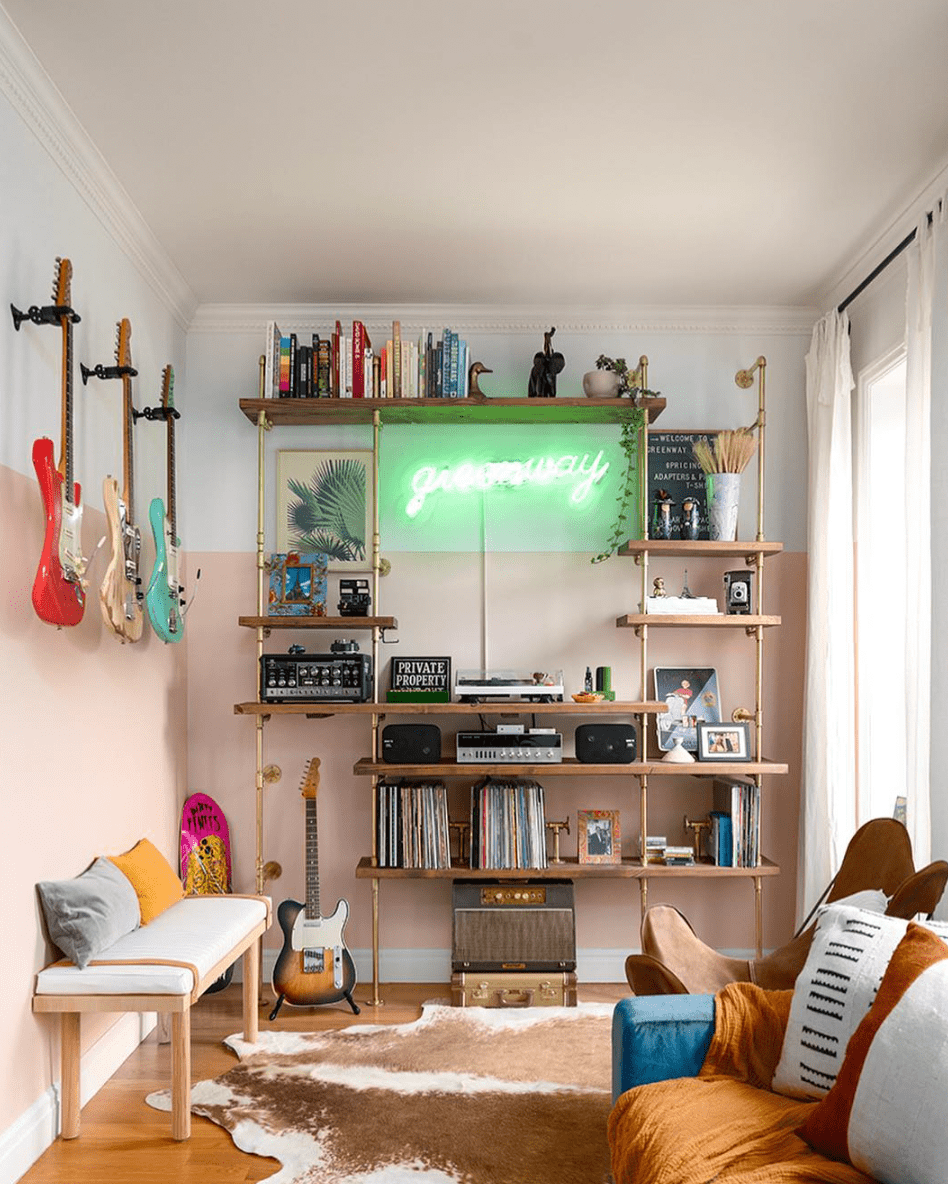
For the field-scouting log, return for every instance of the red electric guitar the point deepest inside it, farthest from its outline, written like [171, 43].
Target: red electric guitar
[59, 594]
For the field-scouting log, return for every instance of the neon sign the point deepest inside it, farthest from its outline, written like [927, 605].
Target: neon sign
[585, 472]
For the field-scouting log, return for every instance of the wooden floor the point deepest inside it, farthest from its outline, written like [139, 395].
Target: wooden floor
[123, 1141]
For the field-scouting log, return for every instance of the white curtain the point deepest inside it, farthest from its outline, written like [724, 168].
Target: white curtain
[926, 257]
[829, 749]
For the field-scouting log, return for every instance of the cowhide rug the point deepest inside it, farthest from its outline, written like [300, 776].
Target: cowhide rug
[460, 1096]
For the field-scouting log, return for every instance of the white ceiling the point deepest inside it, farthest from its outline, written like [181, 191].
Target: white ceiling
[613, 152]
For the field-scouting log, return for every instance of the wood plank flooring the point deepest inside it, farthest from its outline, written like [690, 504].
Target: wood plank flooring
[123, 1141]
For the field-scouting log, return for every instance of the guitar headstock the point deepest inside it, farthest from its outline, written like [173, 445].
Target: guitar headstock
[62, 283]
[167, 386]
[123, 343]
[310, 782]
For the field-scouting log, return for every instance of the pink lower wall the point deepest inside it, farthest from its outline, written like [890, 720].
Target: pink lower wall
[92, 750]
[541, 607]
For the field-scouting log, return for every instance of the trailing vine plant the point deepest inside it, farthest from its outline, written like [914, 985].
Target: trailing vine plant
[632, 422]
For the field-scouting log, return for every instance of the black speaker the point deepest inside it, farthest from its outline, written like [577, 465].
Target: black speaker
[605, 744]
[411, 744]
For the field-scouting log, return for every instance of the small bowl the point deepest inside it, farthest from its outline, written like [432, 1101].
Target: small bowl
[587, 697]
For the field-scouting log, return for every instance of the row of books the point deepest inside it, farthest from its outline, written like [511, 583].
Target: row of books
[734, 839]
[508, 824]
[344, 365]
[412, 824]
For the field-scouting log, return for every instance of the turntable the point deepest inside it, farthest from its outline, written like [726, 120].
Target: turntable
[509, 686]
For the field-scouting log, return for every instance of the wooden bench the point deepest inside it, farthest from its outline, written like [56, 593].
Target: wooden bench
[163, 967]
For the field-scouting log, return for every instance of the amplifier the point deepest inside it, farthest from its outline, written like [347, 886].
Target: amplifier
[605, 744]
[508, 925]
[509, 748]
[341, 677]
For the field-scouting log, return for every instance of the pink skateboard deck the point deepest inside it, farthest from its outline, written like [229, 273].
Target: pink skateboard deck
[205, 847]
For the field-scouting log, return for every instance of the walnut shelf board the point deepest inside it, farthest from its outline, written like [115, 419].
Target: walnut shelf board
[326, 709]
[433, 411]
[686, 547]
[570, 767]
[570, 868]
[318, 622]
[718, 621]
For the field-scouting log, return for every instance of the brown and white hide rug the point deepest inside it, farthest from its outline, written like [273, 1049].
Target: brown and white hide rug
[460, 1096]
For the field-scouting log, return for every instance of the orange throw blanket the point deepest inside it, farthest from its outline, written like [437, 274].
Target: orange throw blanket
[723, 1125]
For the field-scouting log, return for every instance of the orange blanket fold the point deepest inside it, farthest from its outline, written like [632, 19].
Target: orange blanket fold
[724, 1125]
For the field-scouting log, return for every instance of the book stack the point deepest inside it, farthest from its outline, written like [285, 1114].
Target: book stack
[412, 824]
[508, 824]
[735, 823]
[342, 364]
[679, 857]
[655, 848]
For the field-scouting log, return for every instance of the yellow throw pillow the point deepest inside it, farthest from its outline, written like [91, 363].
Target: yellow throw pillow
[152, 877]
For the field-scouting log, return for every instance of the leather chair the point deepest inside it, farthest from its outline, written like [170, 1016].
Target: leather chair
[675, 961]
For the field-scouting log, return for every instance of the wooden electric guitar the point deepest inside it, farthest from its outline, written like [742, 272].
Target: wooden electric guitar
[59, 592]
[164, 599]
[314, 965]
[121, 594]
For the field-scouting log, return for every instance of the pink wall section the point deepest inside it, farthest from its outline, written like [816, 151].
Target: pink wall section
[92, 749]
[553, 606]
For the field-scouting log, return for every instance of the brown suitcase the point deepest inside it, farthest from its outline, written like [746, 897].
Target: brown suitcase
[516, 988]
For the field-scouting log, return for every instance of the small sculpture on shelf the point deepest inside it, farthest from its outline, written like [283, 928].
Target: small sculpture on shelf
[476, 370]
[546, 366]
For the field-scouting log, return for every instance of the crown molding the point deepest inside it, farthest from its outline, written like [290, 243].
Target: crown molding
[894, 229]
[34, 96]
[532, 319]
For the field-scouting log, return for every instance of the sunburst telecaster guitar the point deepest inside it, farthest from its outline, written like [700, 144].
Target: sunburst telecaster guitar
[164, 599]
[314, 965]
[121, 593]
[59, 592]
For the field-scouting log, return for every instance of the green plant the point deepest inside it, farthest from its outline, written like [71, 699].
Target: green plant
[328, 515]
[620, 366]
[629, 441]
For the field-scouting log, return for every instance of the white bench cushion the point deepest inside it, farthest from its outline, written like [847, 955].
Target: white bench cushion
[200, 930]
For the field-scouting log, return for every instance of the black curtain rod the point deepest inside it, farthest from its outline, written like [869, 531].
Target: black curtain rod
[876, 271]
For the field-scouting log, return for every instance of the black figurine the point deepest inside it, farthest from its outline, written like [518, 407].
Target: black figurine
[546, 366]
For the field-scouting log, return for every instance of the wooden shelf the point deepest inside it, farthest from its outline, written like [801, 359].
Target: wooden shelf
[569, 869]
[718, 621]
[689, 547]
[327, 709]
[569, 767]
[433, 411]
[318, 622]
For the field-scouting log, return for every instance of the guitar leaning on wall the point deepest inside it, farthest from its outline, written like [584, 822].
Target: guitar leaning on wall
[120, 594]
[314, 965]
[59, 591]
[164, 599]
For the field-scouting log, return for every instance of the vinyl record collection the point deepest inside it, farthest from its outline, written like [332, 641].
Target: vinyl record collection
[508, 824]
[412, 822]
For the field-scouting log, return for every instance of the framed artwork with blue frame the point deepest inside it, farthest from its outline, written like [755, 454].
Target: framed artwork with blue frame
[297, 584]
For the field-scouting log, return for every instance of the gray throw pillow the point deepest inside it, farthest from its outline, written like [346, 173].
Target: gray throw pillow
[87, 914]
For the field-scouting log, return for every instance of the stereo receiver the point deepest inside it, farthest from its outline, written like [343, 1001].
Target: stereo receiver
[343, 676]
[510, 748]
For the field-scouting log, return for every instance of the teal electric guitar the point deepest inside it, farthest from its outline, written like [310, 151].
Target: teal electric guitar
[164, 598]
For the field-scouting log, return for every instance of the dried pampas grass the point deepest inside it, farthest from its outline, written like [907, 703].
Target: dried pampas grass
[729, 452]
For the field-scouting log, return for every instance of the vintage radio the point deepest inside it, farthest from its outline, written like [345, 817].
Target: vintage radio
[515, 988]
[342, 676]
[505, 925]
[513, 748]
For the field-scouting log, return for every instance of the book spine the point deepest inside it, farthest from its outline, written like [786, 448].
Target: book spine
[397, 359]
[358, 360]
[285, 367]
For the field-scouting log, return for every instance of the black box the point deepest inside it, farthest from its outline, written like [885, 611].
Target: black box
[605, 744]
[411, 744]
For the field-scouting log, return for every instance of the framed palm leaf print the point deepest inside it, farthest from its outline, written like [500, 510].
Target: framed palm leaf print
[324, 503]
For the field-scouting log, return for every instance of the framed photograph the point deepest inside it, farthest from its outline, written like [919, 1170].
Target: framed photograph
[600, 840]
[691, 694]
[297, 584]
[724, 742]
[324, 504]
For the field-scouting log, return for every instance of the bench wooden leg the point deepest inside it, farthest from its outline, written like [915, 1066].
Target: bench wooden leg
[181, 1074]
[251, 971]
[69, 1088]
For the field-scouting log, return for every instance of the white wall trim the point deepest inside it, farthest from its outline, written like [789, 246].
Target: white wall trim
[474, 318]
[28, 1136]
[34, 96]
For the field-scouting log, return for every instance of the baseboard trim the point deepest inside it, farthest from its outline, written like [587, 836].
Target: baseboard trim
[37, 1128]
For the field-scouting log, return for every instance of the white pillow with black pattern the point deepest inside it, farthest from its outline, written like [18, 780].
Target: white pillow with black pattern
[849, 954]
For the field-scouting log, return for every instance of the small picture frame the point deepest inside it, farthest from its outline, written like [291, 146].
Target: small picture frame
[724, 742]
[600, 838]
[297, 584]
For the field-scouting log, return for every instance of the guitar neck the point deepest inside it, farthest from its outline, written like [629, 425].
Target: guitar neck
[312, 862]
[128, 468]
[172, 506]
[66, 460]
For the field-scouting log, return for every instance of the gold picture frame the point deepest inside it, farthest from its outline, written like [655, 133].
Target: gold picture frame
[600, 836]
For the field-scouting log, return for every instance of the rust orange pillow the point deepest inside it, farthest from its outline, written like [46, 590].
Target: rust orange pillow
[152, 876]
